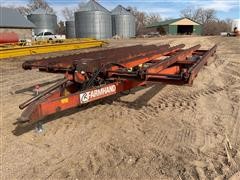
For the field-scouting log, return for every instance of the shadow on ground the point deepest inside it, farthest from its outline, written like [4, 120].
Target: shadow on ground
[136, 104]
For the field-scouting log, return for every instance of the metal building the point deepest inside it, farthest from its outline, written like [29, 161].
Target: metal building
[93, 21]
[14, 26]
[70, 29]
[178, 26]
[123, 23]
[44, 21]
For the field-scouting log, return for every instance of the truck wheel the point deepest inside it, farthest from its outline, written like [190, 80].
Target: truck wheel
[50, 39]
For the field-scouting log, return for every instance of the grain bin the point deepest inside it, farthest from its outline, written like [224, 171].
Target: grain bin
[123, 23]
[93, 21]
[70, 29]
[44, 21]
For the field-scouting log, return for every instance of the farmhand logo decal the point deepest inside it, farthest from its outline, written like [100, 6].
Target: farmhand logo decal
[97, 93]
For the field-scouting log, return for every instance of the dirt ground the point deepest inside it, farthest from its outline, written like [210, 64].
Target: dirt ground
[158, 132]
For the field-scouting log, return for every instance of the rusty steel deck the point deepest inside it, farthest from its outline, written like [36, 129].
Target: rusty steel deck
[95, 75]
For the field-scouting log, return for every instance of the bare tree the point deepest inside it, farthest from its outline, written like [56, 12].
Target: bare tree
[200, 15]
[61, 28]
[82, 3]
[188, 13]
[68, 13]
[35, 4]
[215, 27]
[23, 10]
[153, 18]
[141, 19]
[206, 17]
[229, 24]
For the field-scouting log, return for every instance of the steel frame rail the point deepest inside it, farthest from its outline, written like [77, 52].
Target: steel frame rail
[48, 48]
[170, 65]
[107, 55]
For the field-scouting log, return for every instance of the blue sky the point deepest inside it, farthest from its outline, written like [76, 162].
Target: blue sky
[167, 9]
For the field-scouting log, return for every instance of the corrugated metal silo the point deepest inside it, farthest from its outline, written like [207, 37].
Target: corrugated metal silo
[45, 22]
[70, 29]
[93, 21]
[123, 22]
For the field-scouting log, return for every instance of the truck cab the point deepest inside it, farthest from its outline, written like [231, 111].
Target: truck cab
[48, 36]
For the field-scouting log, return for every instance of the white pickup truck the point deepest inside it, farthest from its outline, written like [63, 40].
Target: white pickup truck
[48, 36]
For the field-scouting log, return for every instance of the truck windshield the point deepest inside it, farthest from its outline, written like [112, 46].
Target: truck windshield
[40, 34]
[47, 33]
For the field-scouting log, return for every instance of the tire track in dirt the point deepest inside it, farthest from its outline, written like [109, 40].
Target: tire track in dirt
[194, 137]
[209, 141]
[232, 72]
[230, 75]
[173, 102]
[107, 157]
[118, 109]
[235, 135]
[160, 138]
[232, 69]
[185, 101]
[186, 136]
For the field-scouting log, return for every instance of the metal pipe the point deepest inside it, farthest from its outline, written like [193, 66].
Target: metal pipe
[135, 74]
[58, 84]
[178, 76]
